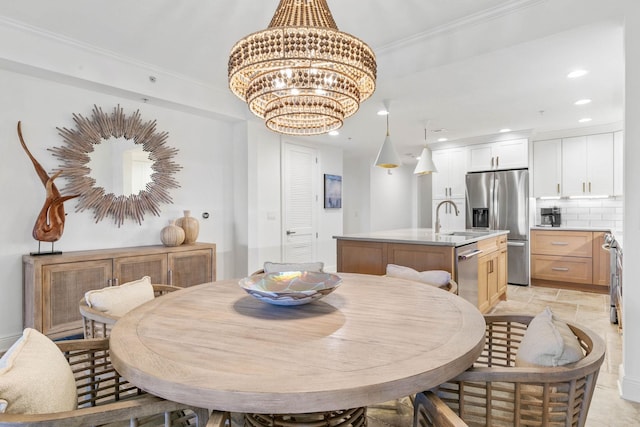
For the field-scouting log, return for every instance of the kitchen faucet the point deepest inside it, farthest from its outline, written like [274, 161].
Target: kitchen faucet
[438, 213]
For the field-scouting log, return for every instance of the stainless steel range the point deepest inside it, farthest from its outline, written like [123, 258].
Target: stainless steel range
[615, 288]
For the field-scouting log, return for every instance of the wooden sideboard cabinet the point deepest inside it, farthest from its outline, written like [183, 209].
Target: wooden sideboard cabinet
[570, 257]
[54, 284]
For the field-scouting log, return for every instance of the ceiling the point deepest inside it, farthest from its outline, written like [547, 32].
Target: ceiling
[467, 67]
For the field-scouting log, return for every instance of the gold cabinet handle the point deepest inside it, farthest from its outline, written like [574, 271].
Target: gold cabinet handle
[583, 187]
[559, 268]
[558, 185]
[589, 186]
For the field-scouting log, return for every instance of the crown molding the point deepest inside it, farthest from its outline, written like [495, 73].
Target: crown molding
[467, 21]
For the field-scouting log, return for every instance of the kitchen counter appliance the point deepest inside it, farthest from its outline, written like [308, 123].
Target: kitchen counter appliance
[550, 217]
[500, 201]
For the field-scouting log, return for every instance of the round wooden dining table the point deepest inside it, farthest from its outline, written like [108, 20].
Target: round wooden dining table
[372, 340]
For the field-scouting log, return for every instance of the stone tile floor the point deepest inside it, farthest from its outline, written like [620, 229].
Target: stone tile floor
[607, 409]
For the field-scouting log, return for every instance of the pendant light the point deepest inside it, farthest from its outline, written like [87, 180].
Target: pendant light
[387, 156]
[425, 164]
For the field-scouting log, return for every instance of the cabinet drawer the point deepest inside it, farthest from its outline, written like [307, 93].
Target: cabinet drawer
[565, 243]
[490, 245]
[561, 269]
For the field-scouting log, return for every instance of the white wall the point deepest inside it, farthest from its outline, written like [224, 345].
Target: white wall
[392, 198]
[377, 199]
[355, 194]
[630, 371]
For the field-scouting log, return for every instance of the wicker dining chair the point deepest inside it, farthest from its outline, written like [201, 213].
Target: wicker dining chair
[493, 392]
[98, 324]
[104, 397]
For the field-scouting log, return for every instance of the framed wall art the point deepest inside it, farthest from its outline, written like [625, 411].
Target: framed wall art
[332, 191]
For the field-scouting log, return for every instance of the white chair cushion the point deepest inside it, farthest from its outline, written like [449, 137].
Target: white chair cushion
[276, 267]
[119, 300]
[438, 278]
[35, 377]
[548, 342]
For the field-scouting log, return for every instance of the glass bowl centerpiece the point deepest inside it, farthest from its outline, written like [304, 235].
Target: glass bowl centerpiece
[290, 287]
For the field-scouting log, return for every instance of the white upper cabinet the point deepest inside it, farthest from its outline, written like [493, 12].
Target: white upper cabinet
[618, 163]
[449, 181]
[547, 168]
[587, 165]
[499, 155]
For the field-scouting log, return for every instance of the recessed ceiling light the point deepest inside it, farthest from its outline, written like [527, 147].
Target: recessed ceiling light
[576, 73]
[442, 139]
[505, 130]
[334, 133]
[582, 101]
[383, 112]
[585, 120]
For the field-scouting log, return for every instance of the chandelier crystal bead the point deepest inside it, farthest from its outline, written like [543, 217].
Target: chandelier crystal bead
[302, 75]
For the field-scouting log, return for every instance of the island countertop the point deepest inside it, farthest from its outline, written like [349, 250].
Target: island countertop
[424, 236]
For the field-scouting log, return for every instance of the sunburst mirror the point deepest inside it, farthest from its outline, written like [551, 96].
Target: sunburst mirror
[120, 166]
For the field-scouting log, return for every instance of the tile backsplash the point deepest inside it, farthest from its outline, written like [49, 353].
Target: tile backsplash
[605, 213]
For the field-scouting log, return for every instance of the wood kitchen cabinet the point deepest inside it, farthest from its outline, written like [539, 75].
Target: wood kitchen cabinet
[492, 272]
[355, 256]
[53, 284]
[499, 155]
[566, 256]
[371, 257]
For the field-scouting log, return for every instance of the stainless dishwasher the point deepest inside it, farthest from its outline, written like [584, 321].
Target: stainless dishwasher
[467, 267]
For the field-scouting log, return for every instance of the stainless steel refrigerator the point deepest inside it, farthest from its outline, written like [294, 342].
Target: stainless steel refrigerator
[500, 201]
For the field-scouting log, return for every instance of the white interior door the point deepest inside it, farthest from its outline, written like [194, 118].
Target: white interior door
[300, 203]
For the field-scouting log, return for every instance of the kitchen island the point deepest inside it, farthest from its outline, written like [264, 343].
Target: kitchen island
[423, 249]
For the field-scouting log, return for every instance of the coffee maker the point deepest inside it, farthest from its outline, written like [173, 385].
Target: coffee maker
[550, 217]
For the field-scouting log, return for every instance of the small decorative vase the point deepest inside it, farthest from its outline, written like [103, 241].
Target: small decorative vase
[172, 235]
[191, 227]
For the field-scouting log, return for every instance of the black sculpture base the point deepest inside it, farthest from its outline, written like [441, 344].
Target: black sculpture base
[45, 253]
[39, 253]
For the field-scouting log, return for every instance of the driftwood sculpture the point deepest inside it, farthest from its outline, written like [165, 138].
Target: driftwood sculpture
[50, 222]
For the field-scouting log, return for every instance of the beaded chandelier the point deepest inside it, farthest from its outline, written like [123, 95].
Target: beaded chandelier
[302, 75]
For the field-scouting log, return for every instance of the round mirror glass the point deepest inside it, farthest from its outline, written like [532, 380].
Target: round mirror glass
[120, 166]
